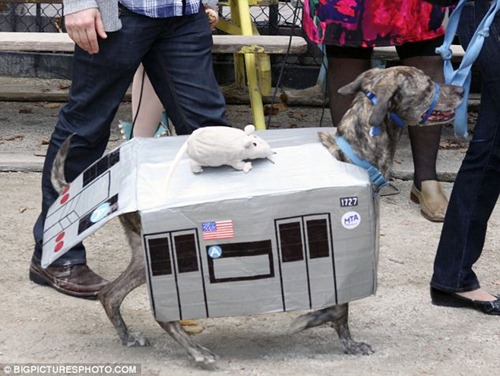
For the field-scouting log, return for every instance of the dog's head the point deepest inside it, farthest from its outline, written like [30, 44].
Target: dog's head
[407, 92]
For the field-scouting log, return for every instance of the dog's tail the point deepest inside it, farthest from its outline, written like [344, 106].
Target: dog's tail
[57, 177]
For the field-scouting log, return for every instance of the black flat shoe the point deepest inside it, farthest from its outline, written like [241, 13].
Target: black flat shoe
[451, 299]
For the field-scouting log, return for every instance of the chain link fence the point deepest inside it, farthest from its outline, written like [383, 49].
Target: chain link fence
[31, 16]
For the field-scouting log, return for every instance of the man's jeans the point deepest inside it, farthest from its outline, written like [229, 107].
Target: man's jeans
[177, 55]
[477, 185]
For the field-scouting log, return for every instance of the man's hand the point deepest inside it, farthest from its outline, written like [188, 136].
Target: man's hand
[213, 16]
[84, 27]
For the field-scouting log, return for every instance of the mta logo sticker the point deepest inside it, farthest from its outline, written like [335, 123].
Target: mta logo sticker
[351, 220]
[215, 251]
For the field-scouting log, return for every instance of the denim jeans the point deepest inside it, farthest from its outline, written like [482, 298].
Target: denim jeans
[477, 185]
[177, 55]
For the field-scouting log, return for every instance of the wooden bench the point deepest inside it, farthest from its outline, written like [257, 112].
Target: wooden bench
[223, 44]
[384, 54]
[247, 45]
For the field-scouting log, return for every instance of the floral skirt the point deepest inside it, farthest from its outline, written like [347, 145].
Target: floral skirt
[359, 23]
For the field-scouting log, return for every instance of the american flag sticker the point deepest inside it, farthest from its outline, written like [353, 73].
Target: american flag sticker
[217, 230]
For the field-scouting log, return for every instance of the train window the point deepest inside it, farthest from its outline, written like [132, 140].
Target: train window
[159, 252]
[317, 238]
[100, 167]
[240, 261]
[185, 250]
[291, 241]
[105, 208]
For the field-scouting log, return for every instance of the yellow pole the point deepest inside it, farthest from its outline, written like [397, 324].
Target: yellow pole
[251, 69]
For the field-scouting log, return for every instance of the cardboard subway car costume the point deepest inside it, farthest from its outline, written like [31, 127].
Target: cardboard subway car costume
[299, 233]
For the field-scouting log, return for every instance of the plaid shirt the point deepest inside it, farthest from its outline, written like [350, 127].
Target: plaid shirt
[162, 8]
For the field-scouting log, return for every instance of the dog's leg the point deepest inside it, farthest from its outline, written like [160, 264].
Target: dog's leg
[134, 276]
[200, 354]
[338, 315]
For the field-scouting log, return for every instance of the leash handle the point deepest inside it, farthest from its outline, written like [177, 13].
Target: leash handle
[462, 75]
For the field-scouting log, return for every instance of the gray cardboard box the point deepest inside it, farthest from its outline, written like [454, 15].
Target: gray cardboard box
[299, 233]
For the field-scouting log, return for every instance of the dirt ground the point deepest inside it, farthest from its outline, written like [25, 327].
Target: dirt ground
[409, 335]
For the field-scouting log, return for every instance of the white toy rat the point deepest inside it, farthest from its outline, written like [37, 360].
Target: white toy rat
[219, 145]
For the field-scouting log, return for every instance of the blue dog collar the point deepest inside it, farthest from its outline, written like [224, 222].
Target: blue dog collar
[428, 113]
[375, 130]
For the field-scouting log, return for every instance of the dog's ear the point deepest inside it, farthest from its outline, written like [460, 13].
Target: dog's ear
[362, 81]
[381, 107]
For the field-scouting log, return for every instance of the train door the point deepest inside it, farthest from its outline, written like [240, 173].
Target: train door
[176, 274]
[189, 273]
[305, 249]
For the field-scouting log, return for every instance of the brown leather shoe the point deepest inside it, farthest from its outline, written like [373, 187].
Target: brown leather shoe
[432, 200]
[75, 280]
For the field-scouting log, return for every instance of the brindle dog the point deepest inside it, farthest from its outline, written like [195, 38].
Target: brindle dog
[404, 91]
[410, 95]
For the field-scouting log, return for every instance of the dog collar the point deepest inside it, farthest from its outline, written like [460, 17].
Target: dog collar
[428, 113]
[375, 129]
[375, 175]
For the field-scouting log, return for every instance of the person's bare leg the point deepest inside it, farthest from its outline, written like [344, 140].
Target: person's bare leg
[342, 71]
[146, 106]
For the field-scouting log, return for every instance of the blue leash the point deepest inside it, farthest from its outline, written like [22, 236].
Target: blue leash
[375, 175]
[462, 75]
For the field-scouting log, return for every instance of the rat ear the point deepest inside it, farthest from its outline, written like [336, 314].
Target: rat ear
[249, 129]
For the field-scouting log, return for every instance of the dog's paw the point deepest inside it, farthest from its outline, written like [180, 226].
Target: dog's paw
[202, 355]
[358, 348]
[136, 340]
